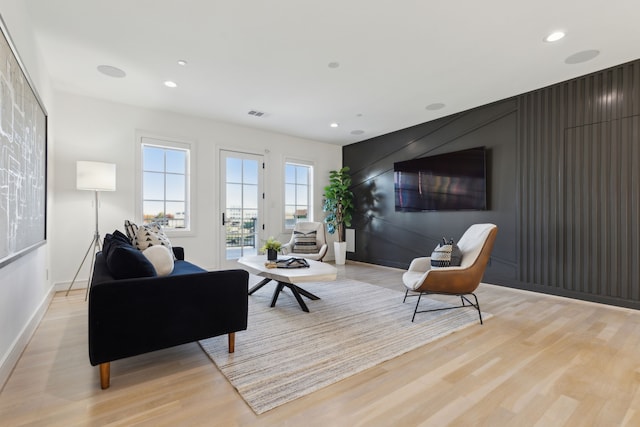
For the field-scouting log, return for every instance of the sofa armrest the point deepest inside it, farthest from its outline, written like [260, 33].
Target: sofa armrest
[134, 316]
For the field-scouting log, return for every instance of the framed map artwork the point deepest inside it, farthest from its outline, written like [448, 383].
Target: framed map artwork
[23, 158]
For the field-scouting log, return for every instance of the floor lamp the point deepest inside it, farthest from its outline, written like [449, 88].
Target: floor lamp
[93, 176]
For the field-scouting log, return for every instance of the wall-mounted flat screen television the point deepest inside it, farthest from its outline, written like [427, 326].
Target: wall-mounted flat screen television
[446, 182]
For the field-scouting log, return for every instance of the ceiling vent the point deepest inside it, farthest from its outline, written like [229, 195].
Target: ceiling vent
[256, 113]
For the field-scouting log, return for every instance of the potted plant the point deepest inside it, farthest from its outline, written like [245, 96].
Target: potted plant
[338, 204]
[271, 247]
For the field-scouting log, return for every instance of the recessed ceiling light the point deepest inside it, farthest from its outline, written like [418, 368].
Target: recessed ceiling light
[555, 36]
[334, 125]
[111, 71]
[182, 62]
[170, 84]
[357, 132]
[435, 106]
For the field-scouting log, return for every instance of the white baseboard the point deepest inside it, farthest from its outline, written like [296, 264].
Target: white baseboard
[12, 356]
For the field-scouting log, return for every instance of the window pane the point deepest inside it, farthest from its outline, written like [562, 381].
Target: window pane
[175, 215]
[152, 210]
[301, 195]
[250, 172]
[153, 186]
[176, 161]
[234, 170]
[249, 236]
[289, 216]
[153, 159]
[250, 196]
[175, 187]
[302, 174]
[301, 214]
[290, 194]
[234, 196]
[289, 174]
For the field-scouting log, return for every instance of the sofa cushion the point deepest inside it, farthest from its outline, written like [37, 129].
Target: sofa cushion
[161, 258]
[181, 267]
[126, 262]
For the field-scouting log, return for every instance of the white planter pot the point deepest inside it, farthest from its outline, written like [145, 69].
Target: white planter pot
[340, 249]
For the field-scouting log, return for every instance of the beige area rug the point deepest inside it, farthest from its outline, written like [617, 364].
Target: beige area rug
[286, 353]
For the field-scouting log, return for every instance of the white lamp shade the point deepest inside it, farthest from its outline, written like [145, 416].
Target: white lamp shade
[96, 176]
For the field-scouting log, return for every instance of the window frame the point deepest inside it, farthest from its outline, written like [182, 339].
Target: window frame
[171, 144]
[310, 188]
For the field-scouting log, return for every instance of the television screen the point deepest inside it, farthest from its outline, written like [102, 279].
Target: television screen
[445, 182]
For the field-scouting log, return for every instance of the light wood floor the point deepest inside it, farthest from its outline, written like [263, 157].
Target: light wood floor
[540, 360]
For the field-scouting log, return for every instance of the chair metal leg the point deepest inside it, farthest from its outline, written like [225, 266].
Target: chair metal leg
[463, 298]
[476, 305]
[416, 309]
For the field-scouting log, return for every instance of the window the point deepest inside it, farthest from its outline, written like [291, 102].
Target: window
[297, 193]
[165, 183]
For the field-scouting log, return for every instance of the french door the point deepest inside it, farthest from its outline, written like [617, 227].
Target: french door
[241, 205]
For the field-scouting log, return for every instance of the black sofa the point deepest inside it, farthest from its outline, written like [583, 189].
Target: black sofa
[128, 317]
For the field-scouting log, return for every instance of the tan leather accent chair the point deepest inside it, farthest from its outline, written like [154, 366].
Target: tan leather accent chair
[476, 245]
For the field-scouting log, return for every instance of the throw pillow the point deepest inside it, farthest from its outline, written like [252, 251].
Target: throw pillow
[304, 243]
[111, 240]
[126, 262]
[131, 229]
[446, 255]
[151, 235]
[161, 258]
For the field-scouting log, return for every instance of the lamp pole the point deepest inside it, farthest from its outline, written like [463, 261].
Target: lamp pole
[95, 244]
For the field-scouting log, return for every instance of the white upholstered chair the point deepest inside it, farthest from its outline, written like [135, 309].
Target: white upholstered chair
[308, 240]
[476, 245]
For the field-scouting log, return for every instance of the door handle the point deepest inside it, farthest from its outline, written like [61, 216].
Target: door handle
[223, 220]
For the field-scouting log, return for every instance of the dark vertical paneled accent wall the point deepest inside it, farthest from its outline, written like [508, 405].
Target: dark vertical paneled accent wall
[578, 156]
[564, 188]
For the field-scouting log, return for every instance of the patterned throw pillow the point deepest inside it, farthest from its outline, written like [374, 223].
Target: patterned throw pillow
[446, 255]
[150, 235]
[131, 229]
[304, 243]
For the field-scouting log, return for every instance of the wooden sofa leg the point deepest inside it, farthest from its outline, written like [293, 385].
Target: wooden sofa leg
[232, 342]
[105, 374]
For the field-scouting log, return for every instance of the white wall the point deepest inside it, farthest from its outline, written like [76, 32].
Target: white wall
[90, 129]
[25, 289]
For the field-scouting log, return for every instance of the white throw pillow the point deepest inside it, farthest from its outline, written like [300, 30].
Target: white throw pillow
[161, 258]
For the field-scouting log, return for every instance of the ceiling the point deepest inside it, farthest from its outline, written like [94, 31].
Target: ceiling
[372, 66]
